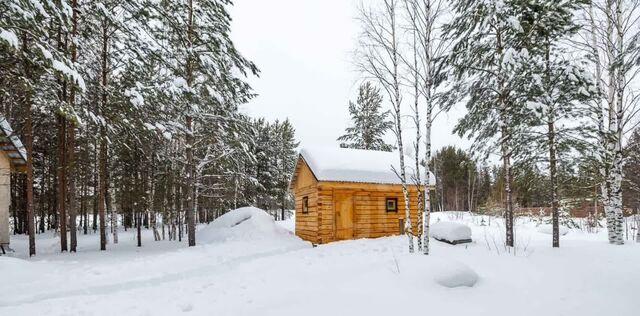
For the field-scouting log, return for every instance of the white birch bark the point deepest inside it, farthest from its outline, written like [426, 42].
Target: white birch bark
[380, 58]
[422, 16]
[617, 170]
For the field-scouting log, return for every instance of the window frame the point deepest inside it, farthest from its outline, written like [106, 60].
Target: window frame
[305, 205]
[386, 204]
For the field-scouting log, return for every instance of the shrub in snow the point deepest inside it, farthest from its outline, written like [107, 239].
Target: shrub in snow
[454, 274]
[450, 232]
[548, 229]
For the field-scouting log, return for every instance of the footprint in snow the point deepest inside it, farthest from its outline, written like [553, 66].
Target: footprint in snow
[187, 307]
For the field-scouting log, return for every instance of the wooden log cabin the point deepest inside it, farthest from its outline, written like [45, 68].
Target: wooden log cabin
[349, 193]
[13, 158]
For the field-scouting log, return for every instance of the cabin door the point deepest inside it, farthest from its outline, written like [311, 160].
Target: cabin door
[343, 202]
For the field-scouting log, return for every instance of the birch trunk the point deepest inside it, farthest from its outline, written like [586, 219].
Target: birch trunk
[397, 102]
[418, 180]
[617, 168]
[426, 213]
[602, 133]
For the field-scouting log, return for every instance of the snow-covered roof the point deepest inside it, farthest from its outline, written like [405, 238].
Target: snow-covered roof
[10, 143]
[356, 165]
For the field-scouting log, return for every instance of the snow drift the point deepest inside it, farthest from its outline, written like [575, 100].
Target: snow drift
[243, 224]
[451, 232]
[548, 229]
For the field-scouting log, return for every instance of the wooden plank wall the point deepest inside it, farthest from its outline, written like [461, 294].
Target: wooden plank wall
[306, 186]
[327, 219]
[307, 224]
[370, 216]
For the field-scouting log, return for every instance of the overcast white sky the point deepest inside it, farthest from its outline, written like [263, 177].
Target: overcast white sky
[304, 50]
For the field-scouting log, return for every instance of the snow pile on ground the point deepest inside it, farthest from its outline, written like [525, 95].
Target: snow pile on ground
[450, 231]
[454, 274]
[289, 223]
[246, 223]
[548, 229]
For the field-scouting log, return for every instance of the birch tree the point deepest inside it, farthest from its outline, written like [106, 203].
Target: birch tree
[612, 31]
[378, 57]
[429, 49]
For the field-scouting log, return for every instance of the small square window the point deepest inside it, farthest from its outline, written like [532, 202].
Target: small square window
[391, 204]
[305, 205]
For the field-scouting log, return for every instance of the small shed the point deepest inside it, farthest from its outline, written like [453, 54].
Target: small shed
[13, 158]
[350, 193]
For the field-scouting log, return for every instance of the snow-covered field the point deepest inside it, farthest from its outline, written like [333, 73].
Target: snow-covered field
[245, 264]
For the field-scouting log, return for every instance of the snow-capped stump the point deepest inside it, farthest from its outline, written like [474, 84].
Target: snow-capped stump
[450, 232]
[454, 274]
[548, 229]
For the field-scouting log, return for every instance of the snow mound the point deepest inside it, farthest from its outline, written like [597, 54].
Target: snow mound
[548, 229]
[243, 224]
[454, 274]
[450, 231]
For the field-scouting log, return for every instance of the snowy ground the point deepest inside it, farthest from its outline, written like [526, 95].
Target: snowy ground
[260, 268]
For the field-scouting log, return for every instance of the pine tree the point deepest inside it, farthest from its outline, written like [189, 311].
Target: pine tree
[559, 85]
[203, 62]
[285, 163]
[370, 124]
[487, 74]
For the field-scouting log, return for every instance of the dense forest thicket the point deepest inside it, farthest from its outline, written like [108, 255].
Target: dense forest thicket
[129, 111]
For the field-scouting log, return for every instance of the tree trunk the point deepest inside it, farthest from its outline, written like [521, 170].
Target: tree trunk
[617, 168]
[71, 137]
[29, 148]
[61, 172]
[551, 134]
[426, 213]
[190, 210]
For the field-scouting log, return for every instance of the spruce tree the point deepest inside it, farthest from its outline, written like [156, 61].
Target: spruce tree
[370, 123]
